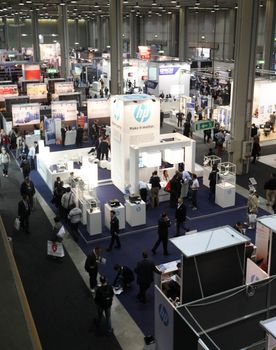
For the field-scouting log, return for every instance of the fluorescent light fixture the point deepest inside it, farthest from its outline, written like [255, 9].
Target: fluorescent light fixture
[23, 34]
[154, 3]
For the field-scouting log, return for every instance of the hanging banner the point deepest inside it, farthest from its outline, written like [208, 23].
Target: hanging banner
[144, 52]
[26, 114]
[58, 130]
[8, 91]
[49, 127]
[82, 121]
[64, 110]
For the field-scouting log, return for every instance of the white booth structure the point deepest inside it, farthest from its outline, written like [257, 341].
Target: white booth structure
[269, 326]
[51, 165]
[135, 119]
[170, 148]
[226, 187]
[169, 78]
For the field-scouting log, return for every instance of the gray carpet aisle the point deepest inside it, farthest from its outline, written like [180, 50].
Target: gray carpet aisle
[61, 304]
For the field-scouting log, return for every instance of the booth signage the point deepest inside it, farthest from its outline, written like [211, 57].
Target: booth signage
[168, 70]
[163, 315]
[151, 84]
[142, 113]
[144, 52]
[205, 125]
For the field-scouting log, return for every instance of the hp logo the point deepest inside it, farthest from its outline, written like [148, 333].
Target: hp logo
[163, 315]
[142, 113]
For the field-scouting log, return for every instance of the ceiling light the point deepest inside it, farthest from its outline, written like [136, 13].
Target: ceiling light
[21, 3]
[137, 5]
[96, 5]
[76, 43]
[261, 5]
[169, 12]
[24, 34]
[73, 1]
[154, 3]
[28, 1]
[197, 3]
[125, 1]
[173, 1]
[62, 3]
[236, 6]
[177, 4]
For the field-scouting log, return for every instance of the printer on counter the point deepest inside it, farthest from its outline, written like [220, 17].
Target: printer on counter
[134, 198]
[114, 203]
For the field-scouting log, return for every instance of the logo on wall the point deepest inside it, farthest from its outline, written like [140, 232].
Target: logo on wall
[142, 113]
[116, 112]
[163, 315]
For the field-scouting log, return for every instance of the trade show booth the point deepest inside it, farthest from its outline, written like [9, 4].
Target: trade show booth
[226, 185]
[169, 78]
[99, 109]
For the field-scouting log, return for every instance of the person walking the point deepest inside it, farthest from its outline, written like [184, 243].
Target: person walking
[91, 267]
[67, 202]
[194, 189]
[175, 190]
[103, 300]
[256, 149]
[114, 231]
[180, 216]
[219, 140]
[74, 217]
[163, 234]
[5, 160]
[25, 166]
[270, 190]
[79, 136]
[155, 187]
[24, 211]
[185, 185]
[27, 189]
[252, 208]
[144, 270]
[213, 177]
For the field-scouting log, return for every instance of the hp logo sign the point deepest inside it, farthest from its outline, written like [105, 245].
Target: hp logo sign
[142, 113]
[163, 315]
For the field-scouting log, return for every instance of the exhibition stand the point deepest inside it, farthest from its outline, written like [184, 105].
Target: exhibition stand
[99, 109]
[226, 187]
[266, 243]
[170, 148]
[94, 221]
[135, 213]
[212, 261]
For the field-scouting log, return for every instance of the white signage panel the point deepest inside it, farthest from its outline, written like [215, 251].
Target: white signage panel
[254, 273]
[64, 87]
[97, 108]
[8, 91]
[262, 243]
[37, 91]
[64, 110]
[26, 114]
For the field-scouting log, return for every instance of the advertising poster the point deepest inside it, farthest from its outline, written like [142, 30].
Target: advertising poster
[144, 52]
[58, 131]
[8, 91]
[254, 273]
[98, 109]
[262, 243]
[26, 114]
[31, 71]
[64, 110]
[82, 121]
[37, 91]
[49, 127]
[64, 87]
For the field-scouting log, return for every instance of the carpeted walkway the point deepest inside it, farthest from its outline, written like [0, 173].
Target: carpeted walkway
[62, 307]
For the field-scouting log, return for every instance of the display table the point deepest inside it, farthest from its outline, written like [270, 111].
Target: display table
[206, 173]
[120, 213]
[225, 194]
[94, 221]
[70, 137]
[135, 213]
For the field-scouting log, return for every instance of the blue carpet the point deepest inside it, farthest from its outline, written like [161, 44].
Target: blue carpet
[207, 216]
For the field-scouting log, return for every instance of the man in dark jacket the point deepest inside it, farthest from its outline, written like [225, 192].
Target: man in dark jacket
[213, 176]
[144, 270]
[25, 166]
[155, 187]
[103, 299]
[24, 211]
[91, 266]
[163, 226]
[27, 189]
[114, 231]
[180, 215]
[79, 136]
[175, 189]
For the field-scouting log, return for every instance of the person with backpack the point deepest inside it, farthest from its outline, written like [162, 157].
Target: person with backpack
[103, 300]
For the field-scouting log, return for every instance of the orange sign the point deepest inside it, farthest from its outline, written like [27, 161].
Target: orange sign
[144, 52]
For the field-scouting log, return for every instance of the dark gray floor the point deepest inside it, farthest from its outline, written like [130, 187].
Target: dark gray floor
[61, 304]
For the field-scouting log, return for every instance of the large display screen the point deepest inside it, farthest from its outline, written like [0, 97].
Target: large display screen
[37, 91]
[26, 114]
[64, 87]
[8, 90]
[64, 110]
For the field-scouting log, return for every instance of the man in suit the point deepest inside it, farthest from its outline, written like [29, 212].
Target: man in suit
[24, 211]
[79, 136]
[27, 189]
[114, 231]
[144, 270]
[180, 216]
[91, 267]
[163, 226]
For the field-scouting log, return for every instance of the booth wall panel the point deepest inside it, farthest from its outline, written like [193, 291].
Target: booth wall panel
[190, 288]
[273, 255]
[184, 337]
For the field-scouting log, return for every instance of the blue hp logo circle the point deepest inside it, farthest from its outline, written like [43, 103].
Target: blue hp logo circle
[138, 209]
[163, 315]
[142, 113]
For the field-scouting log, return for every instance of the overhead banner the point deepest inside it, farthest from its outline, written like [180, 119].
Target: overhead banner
[98, 109]
[64, 110]
[31, 71]
[37, 91]
[64, 87]
[26, 114]
[49, 127]
[8, 91]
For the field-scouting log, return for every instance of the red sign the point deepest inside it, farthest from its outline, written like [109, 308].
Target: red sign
[31, 71]
[144, 52]
[144, 77]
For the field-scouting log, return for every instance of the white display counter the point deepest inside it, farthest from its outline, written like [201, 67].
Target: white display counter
[94, 221]
[46, 161]
[135, 213]
[120, 213]
[225, 195]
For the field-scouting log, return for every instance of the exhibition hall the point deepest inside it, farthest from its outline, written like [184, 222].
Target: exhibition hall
[138, 181]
